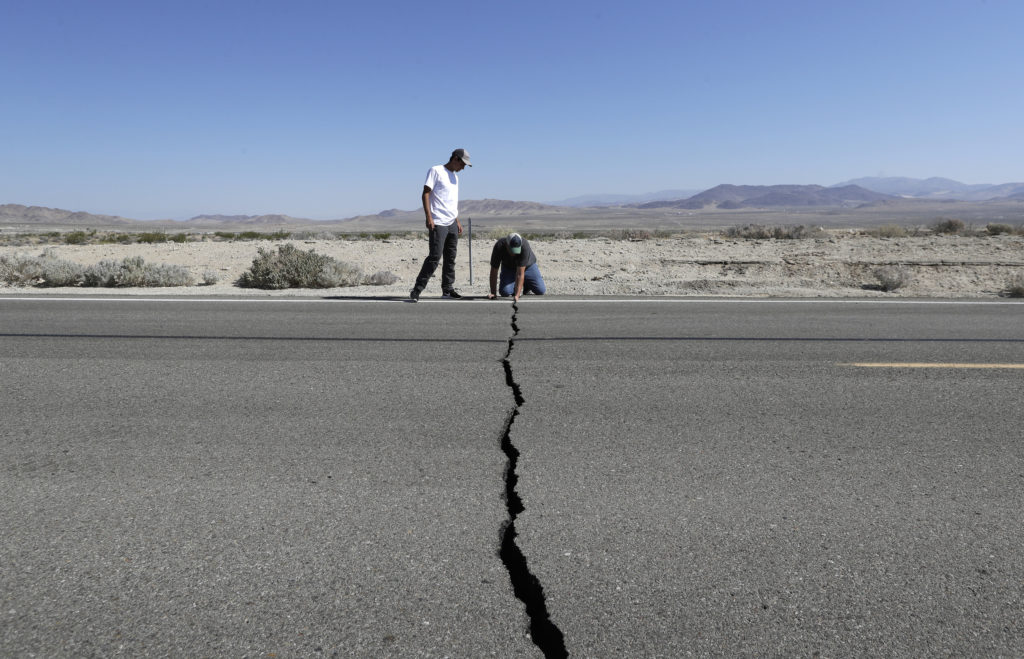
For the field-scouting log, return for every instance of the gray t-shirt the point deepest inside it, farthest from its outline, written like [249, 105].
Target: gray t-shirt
[502, 256]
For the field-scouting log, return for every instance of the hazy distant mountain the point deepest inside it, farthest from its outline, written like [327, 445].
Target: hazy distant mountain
[504, 207]
[623, 199]
[256, 220]
[18, 214]
[746, 196]
[1006, 191]
[936, 188]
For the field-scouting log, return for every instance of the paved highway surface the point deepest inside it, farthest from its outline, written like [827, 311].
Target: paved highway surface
[329, 477]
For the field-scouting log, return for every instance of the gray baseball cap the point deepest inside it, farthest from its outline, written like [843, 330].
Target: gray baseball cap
[462, 155]
[515, 243]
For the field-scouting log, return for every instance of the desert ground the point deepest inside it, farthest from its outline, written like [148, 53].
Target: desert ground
[839, 263]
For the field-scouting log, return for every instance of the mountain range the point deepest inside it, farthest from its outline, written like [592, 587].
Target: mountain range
[851, 194]
[745, 196]
[598, 199]
[937, 188]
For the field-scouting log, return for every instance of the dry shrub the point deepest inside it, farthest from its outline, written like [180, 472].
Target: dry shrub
[50, 271]
[497, 232]
[761, 232]
[289, 267]
[994, 229]
[888, 231]
[381, 278]
[134, 272]
[1015, 287]
[19, 270]
[891, 278]
[949, 226]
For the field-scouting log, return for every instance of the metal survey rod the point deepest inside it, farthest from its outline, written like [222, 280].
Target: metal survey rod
[470, 220]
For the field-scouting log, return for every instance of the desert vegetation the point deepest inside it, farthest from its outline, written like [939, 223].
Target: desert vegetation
[890, 278]
[761, 232]
[290, 267]
[940, 226]
[1015, 287]
[287, 267]
[47, 270]
[981, 259]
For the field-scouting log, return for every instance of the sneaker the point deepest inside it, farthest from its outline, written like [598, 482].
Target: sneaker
[414, 295]
[452, 295]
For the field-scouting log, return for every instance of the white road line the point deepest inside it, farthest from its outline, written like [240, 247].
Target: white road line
[527, 302]
[931, 365]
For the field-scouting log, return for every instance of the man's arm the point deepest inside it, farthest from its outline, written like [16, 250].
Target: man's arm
[426, 209]
[494, 283]
[520, 279]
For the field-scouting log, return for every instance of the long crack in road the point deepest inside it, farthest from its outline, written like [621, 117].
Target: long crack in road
[545, 634]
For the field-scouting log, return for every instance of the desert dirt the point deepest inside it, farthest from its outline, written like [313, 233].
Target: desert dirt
[841, 264]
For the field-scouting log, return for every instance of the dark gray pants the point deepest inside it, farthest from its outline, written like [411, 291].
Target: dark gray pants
[444, 240]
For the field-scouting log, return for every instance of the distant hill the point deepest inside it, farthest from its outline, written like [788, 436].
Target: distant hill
[936, 188]
[254, 220]
[503, 207]
[601, 200]
[1006, 191]
[758, 196]
[18, 214]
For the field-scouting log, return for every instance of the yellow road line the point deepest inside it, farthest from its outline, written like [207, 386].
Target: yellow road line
[930, 365]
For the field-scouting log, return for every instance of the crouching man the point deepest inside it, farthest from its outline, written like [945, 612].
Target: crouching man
[519, 272]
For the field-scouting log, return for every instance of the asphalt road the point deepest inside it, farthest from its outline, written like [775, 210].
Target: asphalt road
[319, 478]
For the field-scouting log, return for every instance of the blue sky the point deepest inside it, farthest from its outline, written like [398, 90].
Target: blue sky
[327, 110]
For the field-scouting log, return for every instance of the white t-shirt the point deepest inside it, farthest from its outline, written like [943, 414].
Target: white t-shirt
[444, 194]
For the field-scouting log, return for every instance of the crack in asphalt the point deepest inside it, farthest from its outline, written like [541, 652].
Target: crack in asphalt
[527, 588]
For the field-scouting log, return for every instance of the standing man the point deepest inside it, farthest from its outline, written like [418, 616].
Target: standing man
[519, 271]
[441, 206]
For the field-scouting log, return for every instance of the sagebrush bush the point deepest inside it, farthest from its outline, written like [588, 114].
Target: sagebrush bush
[891, 278]
[888, 231]
[338, 273]
[152, 237]
[496, 232]
[381, 278]
[287, 268]
[760, 232]
[134, 272]
[77, 237]
[45, 270]
[49, 271]
[58, 272]
[949, 226]
[19, 269]
[1015, 287]
[290, 267]
[630, 234]
[101, 275]
[994, 229]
